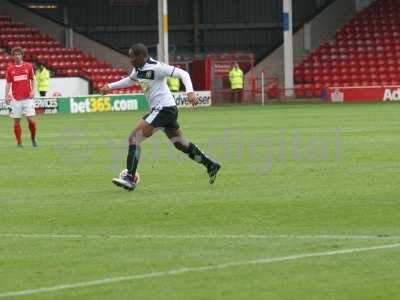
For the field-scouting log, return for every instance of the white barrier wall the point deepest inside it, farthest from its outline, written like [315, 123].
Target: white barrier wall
[66, 86]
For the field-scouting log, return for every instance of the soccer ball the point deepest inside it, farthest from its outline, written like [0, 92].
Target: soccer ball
[136, 179]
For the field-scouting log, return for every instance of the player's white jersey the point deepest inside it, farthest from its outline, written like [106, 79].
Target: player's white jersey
[152, 78]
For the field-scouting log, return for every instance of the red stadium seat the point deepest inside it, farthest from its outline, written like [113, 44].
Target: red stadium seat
[300, 91]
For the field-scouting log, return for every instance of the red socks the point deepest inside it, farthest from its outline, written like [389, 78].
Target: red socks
[18, 133]
[32, 129]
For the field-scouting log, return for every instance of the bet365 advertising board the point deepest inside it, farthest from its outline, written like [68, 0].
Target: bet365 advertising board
[100, 103]
[103, 103]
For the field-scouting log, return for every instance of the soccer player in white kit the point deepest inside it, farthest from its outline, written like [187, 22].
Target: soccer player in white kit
[152, 76]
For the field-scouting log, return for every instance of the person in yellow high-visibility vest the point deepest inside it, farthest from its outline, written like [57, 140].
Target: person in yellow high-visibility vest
[174, 84]
[236, 80]
[43, 80]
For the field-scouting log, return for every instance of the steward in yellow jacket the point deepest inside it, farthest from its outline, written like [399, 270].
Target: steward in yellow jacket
[236, 79]
[43, 80]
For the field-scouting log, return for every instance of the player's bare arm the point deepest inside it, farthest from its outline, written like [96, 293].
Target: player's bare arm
[123, 83]
[33, 88]
[7, 93]
[187, 82]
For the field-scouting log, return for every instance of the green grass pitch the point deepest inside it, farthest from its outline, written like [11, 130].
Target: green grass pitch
[306, 206]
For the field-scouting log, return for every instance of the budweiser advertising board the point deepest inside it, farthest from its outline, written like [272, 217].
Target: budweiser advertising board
[362, 94]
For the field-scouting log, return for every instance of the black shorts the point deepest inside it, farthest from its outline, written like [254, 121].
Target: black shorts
[165, 117]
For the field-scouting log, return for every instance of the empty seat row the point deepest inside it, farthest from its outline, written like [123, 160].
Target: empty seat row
[356, 59]
[54, 50]
[110, 71]
[107, 78]
[348, 71]
[21, 36]
[375, 42]
[32, 43]
[61, 56]
[376, 50]
[354, 78]
[18, 30]
[380, 28]
[8, 24]
[69, 72]
[131, 90]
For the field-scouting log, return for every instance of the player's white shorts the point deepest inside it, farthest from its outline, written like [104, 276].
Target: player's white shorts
[22, 107]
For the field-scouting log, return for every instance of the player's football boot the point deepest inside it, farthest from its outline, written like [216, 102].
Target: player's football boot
[125, 182]
[212, 172]
[34, 143]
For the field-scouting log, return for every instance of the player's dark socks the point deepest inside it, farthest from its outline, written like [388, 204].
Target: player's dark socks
[197, 155]
[213, 171]
[132, 160]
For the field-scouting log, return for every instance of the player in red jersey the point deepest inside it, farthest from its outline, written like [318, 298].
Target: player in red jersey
[20, 89]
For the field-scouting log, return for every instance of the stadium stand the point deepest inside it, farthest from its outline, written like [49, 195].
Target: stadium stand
[64, 62]
[365, 52]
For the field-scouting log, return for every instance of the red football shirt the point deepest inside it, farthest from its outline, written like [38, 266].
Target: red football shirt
[20, 76]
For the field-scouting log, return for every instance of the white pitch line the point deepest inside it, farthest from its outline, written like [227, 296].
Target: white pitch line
[190, 236]
[260, 261]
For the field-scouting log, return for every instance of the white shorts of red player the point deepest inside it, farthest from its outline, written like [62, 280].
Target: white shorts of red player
[22, 107]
